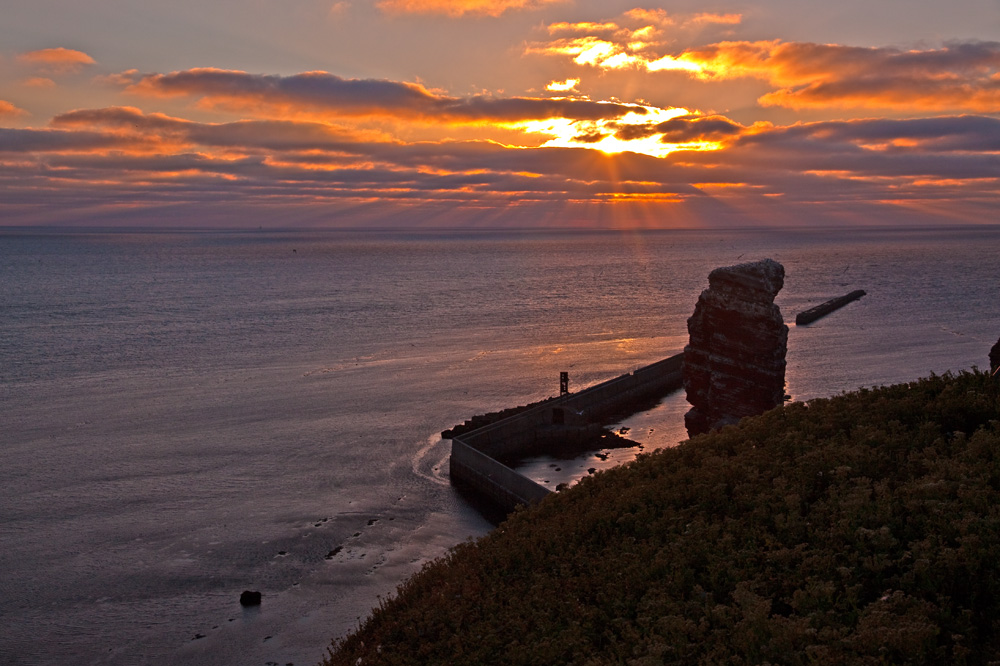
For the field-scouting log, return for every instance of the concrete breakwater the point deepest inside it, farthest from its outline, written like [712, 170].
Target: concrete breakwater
[475, 455]
[822, 310]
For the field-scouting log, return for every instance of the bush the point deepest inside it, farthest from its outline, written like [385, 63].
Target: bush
[858, 529]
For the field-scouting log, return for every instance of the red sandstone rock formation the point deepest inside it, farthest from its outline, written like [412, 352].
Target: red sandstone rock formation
[734, 365]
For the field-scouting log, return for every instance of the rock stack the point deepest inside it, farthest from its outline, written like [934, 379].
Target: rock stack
[734, 365]
[995, 357]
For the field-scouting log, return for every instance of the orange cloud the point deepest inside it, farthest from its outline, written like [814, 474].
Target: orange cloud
[58, 60]
[583, 26]
[563, 86]
[460, 7]
[724, 19]
[656, 16]
[39, 82]
[8, 110]
[961, 76]
[610, 45]
[957, 76]
[662, 18]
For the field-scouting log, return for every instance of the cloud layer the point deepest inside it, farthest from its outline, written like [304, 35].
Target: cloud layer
[319, 148]
[101, 159]
[325, 94]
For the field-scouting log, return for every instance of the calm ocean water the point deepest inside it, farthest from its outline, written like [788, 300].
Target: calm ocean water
[188, 415]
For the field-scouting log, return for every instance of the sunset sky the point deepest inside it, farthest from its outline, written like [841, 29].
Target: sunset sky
[516, 113]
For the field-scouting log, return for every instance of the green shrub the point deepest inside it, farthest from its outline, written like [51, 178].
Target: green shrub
[862, 529]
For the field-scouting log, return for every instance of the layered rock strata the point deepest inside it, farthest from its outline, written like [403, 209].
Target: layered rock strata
[734, 364]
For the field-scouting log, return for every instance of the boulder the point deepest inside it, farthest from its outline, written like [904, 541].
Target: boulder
[250, 598]
[734, 363]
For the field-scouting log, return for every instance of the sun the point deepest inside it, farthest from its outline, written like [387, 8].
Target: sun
[636, 131]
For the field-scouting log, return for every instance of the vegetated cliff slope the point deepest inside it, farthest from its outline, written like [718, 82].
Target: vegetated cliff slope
[863, 528]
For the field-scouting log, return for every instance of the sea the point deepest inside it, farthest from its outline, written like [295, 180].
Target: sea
[185, 415]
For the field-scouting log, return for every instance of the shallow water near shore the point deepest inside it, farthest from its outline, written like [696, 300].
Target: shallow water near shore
[188, 415]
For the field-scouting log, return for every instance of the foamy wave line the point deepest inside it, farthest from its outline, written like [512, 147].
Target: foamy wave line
[429, 461]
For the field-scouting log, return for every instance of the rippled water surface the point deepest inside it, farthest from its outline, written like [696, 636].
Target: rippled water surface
[189, 415]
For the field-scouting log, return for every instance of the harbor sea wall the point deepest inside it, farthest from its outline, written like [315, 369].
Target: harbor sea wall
[812, 314]
[475, 462]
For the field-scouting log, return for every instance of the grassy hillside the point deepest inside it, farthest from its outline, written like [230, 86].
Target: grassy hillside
[860, 529]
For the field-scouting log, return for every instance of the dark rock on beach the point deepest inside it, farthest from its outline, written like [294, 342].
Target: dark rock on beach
[250, 598]
[734, 364]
